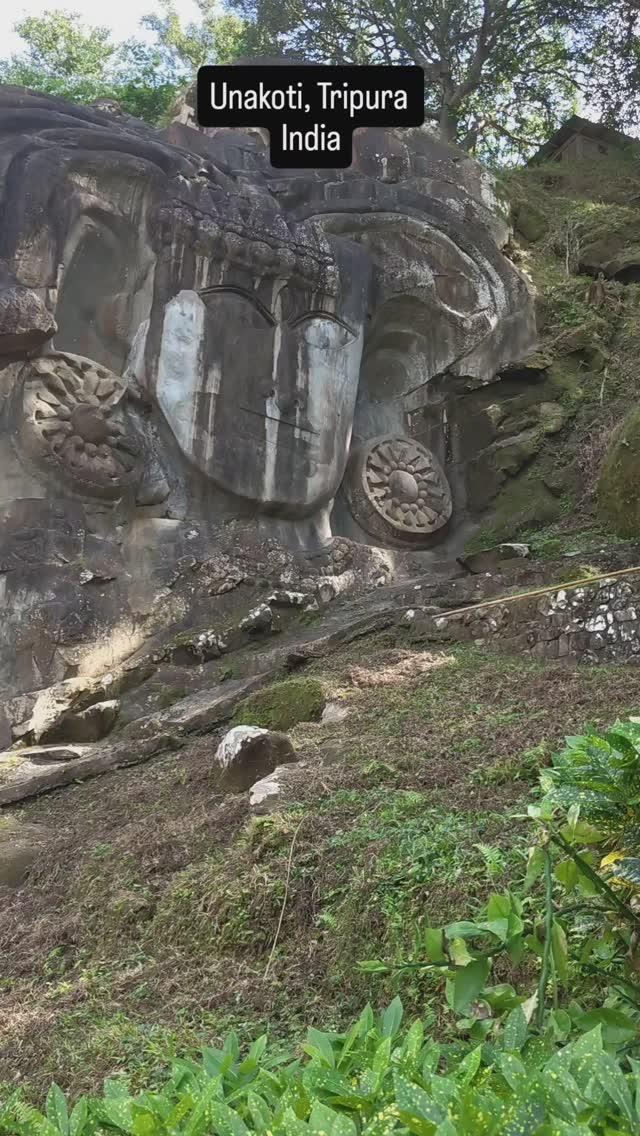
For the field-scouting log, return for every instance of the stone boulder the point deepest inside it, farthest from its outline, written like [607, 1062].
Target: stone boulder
[488, 559]
[88, 725]
[267, 793]
[618, 488]
[20, 845]
[248, 753]
[72, 711]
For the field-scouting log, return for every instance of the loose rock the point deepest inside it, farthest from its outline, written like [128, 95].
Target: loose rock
[248, 753]
[19, 848]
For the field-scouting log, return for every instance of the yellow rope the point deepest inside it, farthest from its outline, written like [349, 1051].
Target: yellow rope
[539, 592]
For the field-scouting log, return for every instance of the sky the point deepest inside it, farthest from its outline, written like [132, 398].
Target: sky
[121, 16]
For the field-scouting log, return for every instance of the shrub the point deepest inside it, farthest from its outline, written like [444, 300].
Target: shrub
[283, 705]
[375, 1080]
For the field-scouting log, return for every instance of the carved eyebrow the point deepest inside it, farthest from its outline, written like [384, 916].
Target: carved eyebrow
[236, 290]
[319, 313]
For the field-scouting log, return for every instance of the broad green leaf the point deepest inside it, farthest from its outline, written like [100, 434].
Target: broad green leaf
[224, 1120]
[292, 1125]
[535, 867]
[582, 833]
[78, 1118]
[252, 1060]
[434, 944]
[116, 1111]
[512, 1070]
[463, 930]
[383, 1123]
[617, 1027]
[466, 985]
[382, 1057]
[567, 874]
[260, 1112]
[515, 1030]
[57, 1110]
[469, 1066]
[612, 1080]
[459, 953]
[115, 1089]
[414, 1102]
[327, 1122]
[559, 950]
[392, 1018]
[373, 966]
[413, 1042]
[319, 1045]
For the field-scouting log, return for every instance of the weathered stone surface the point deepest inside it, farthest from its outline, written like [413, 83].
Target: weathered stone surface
[88, 725]
[491, 558]
[200, 712]
[42, 753]
[57, 709]
[227, 336]
[268, 793]
[248, 753]
[24, 778]
[618, 488]
[25, 322]
[259, 620]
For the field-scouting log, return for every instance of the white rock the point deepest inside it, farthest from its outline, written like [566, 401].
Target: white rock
[233, 742]
[334, 712]
[248, 753]
[265, 794]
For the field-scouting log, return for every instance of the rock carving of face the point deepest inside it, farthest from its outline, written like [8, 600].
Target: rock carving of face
[259, 386]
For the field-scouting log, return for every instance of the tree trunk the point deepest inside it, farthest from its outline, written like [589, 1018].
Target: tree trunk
[448, 123]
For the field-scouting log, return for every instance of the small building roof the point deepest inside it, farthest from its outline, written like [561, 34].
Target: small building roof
[576, 125]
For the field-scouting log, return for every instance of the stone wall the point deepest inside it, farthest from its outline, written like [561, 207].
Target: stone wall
[597, 623]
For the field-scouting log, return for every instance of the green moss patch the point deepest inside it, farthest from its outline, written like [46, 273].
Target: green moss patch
[282, 706]
[618, 490]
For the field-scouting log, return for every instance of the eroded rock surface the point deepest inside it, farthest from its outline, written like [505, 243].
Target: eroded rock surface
[247, 754]
[209, 367]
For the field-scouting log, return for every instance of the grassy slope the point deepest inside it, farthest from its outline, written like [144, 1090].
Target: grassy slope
[149, 922]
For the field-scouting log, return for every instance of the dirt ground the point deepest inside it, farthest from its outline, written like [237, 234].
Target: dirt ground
[146, 925]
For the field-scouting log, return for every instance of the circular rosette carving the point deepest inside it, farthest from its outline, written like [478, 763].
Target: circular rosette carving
[72, 419]
[398, 491]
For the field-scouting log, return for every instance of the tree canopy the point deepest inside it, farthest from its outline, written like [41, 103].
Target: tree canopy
[500, 75]
[64, 57]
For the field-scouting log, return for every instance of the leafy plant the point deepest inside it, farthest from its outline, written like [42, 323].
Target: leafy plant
[575, 915]
[376, 1079]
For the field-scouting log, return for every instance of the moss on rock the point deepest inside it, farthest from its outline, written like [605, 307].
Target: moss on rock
[618, 489]
[530, 222]
[283, 705]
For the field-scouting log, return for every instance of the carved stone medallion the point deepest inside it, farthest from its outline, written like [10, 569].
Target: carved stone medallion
[397, 490]
[72, 420]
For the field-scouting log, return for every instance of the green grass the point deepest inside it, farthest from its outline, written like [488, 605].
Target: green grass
[148, 926]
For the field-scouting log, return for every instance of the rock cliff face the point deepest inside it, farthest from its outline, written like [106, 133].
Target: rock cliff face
[204, 357]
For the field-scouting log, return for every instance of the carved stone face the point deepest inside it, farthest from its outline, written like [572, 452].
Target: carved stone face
[259, 384]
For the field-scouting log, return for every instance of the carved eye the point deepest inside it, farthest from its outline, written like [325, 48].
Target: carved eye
[253, 308]
[324, 329]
